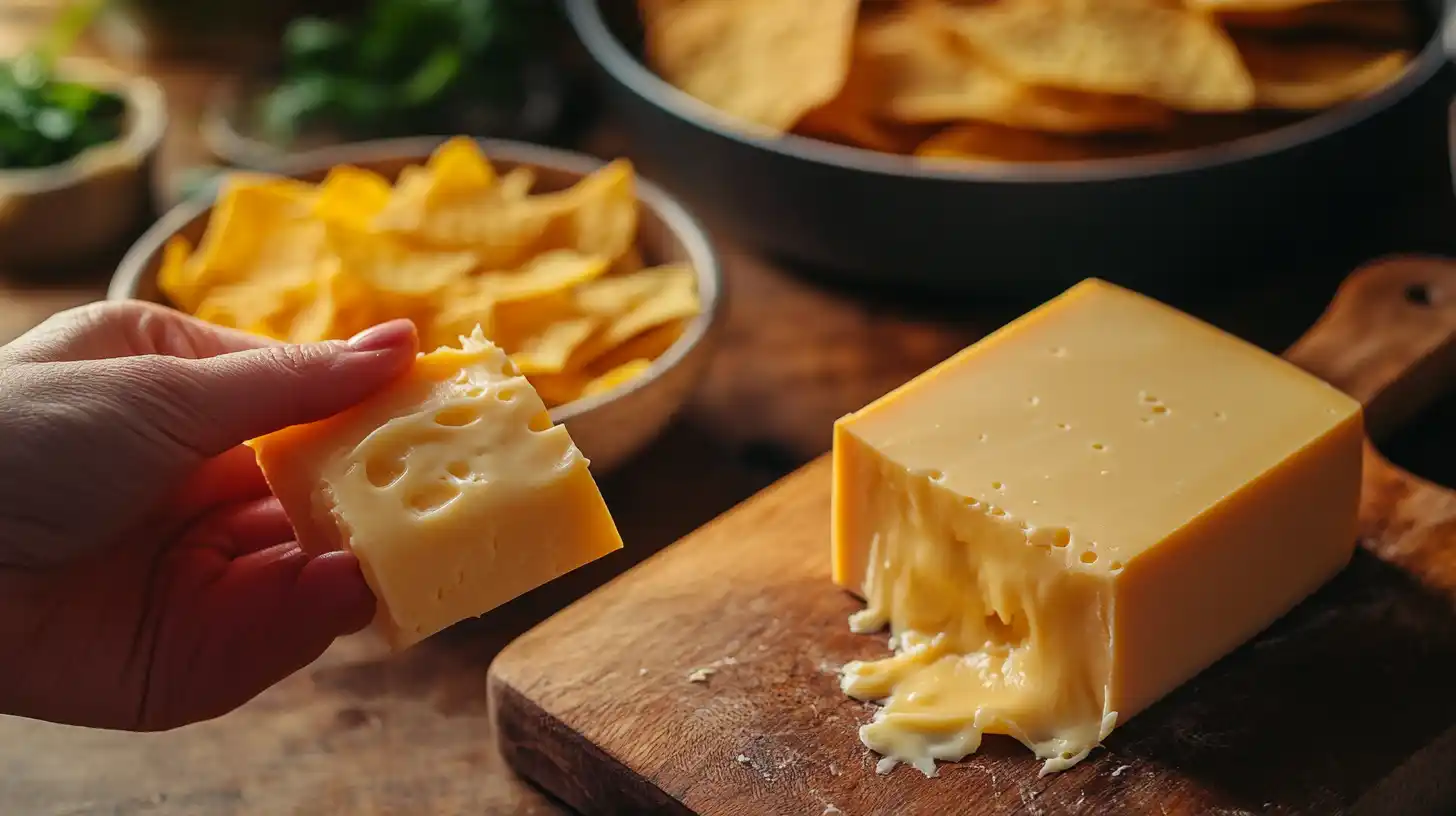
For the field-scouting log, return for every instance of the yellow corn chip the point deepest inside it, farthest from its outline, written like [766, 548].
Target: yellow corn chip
[1164, 53]
[559, 389]
[391, 268]
[459, 308]
[517, 183]
[351, 196]
[766, 62]
[631, 261]
[548, 273]
[459, 166]
[549, 351]
[259, 231]
[556, 279]
[616, 295]
[1307, 75]
[676, 298]
[514, 321]
[648, 345]
[177, 277]
[620, 375]
[254, 306]
[596, 216]
[341, 307]
[300, 191]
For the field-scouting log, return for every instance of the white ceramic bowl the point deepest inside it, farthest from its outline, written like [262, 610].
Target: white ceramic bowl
[609, 427]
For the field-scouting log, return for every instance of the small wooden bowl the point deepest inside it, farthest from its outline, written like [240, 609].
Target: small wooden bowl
[609, 427]
[80, 209]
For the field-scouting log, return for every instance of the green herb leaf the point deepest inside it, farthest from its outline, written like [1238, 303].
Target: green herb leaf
[432, 78]
[313, 43]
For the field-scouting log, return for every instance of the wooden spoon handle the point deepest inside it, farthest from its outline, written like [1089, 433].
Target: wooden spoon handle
[1388, 339]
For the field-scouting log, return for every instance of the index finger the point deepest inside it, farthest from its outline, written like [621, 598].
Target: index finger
[109, 329]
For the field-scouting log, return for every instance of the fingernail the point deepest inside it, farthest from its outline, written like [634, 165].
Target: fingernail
[383, 337]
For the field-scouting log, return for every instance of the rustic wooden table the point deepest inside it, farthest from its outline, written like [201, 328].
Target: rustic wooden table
[356, 733]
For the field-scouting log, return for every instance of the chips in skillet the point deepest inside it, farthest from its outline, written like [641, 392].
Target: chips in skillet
[554, 278]
[1074, 79]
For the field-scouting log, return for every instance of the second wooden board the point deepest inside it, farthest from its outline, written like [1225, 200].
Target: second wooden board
[705, 680]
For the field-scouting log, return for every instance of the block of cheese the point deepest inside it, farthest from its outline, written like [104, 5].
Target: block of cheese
[451, 486]
[1064, 522]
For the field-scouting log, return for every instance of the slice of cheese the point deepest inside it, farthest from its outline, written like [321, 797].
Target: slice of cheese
[1064, 522]
[451, 486]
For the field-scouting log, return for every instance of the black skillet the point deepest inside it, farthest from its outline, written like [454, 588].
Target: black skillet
[1263, 204]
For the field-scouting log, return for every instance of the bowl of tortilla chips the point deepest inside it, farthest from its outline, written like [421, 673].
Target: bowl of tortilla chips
[961, 144]
[604, 291]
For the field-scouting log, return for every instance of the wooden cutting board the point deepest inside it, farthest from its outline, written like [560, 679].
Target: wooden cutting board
[1346, 705]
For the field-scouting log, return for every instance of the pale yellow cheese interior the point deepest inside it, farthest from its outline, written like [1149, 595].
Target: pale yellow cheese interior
[452, 487]
[1065, 521]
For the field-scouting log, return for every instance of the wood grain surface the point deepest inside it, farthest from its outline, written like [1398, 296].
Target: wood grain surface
[1344, 705]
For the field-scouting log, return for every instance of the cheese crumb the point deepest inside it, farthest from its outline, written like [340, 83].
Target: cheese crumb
[701, 675]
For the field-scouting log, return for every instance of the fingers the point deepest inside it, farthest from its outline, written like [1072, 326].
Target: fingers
[210, 405]
[240, 529]
[268, 614]
[110, 329]
[229, 478]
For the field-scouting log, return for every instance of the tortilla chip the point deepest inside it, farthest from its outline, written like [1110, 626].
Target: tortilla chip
[767, 62]
[1169, 55]
[994, 143]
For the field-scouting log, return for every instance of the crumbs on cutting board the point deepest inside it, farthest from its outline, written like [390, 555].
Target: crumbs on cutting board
[1120, 770]
[702, 673]
[830, 809]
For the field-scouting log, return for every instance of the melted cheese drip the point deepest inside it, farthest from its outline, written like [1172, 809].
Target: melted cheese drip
[994, 629]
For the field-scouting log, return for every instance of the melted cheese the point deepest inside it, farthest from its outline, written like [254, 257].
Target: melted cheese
[451, 487]
[1064, 522]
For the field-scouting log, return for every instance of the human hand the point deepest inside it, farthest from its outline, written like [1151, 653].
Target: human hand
[147, 577]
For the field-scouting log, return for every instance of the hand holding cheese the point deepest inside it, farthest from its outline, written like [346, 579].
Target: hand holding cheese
[451, 486]
[147, 579]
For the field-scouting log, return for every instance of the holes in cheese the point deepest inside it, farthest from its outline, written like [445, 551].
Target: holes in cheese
[1098, 580]
[457, 415]
[451, 486]
[384, 470]
[433, 497]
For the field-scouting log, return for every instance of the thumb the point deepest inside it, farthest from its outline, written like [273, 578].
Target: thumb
[217, 403]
